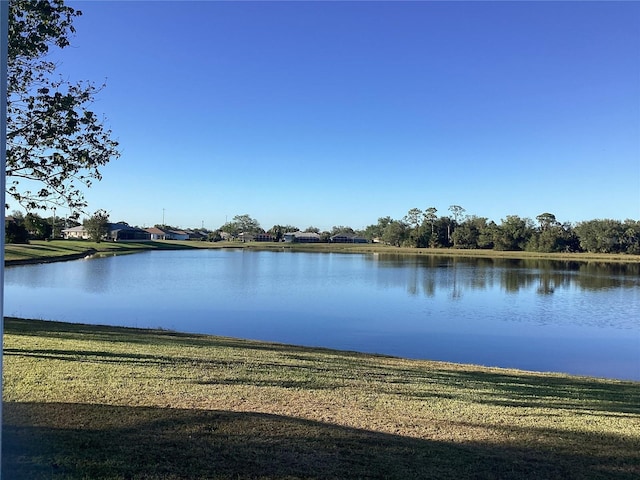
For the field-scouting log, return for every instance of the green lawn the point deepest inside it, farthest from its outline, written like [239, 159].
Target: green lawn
[38, 251]
[92, 402]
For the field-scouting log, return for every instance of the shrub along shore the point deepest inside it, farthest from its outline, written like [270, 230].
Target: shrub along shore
[83, 401]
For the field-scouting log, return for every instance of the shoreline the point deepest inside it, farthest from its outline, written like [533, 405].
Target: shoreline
[66, 250]
[59, 325]
[62, 258]
[91, 401]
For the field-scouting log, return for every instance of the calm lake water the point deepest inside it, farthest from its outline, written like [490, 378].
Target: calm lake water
[568, 317]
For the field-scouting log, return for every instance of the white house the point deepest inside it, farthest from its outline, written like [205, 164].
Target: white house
[78, 232]
[162, 234]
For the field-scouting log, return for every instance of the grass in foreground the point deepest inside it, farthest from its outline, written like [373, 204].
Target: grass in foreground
[98, 402]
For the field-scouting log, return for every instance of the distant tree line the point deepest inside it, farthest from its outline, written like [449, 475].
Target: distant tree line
[418, 228]
[425, 229]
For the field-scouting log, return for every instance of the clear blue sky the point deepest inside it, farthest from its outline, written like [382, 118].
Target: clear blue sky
[337, 113]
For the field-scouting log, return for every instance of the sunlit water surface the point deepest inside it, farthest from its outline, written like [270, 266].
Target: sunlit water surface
[537, 315]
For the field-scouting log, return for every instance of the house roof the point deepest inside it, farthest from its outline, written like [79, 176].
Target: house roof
[155, 231]
[79, 228]
[303, 234]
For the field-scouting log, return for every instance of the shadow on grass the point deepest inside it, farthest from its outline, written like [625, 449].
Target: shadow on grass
[75, 441]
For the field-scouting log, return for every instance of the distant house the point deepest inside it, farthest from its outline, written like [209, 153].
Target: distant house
[246, 237]
[347, 238]
[301, 237]
[156, 233]
[119, 232]
[166, 234]
[78, 232]
[264, 237]
[178, 235]
[196, 235]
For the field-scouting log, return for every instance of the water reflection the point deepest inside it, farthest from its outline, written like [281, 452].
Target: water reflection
[511, 275]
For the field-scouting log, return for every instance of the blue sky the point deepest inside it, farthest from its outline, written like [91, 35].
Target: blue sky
[337, 113]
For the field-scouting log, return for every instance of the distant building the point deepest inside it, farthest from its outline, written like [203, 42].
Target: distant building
[347, 238]
[156, 233]
[264, 237]
[119, 232]
[197, 235]
[301, 237]
[166, 234]
[76, 233]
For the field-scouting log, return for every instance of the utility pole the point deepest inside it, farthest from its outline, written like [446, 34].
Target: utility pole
[53, 225]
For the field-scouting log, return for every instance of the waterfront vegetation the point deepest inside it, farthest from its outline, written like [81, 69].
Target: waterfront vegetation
[39, 251]
[97, 402]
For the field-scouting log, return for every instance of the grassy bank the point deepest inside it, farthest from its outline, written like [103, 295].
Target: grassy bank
[39, 251]
[98, 402]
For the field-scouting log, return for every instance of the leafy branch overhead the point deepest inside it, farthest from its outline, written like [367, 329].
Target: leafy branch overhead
[55, 143]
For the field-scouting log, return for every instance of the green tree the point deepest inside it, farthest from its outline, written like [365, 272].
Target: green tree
[412, 220]
[232, 228]
[278, 231]
[546, 220]
[513, 233]
[97, 225]
[442, 233]
[15, 231]
[395, 233]
[430, 216]
[601, 236]
[247, 224]
[54, 140]
[553, 237]
[372, 232]
[37, 227]
[468, 233]
[457, 211]
[413, 217]
[342, 229]
[631, 236]
[487, 235]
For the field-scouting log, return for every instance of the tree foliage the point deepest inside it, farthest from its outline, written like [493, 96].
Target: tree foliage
[97, 226]
[37, 227]
[243, 224]
[395, 233]
[469, 234]
[247, 224]
[609, 236]
[513, 233]
[14, 230]
[55, 143]
[278, 231]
